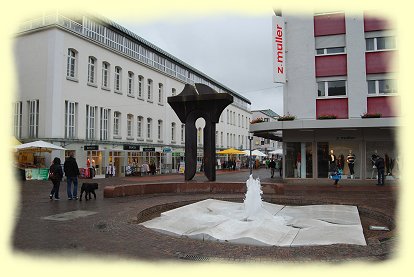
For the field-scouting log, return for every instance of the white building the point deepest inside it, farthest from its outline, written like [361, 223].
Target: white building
[338, 65]
[267, 142]
[90, 85]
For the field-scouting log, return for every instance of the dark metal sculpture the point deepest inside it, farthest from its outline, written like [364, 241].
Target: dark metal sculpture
[191, 104]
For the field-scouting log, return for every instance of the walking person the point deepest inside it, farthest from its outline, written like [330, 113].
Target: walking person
[380, 164]
[72, 172]
[350, 159]
[55, 175]
[272, 165]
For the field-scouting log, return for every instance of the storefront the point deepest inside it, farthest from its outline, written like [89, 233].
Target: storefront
[308, 152]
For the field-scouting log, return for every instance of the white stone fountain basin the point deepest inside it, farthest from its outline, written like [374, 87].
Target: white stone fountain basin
[272, 225]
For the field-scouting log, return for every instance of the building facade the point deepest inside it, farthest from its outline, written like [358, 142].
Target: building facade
[266, 144]
[340, 72]
[93, 87]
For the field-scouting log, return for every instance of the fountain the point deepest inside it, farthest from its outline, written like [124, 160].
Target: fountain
[260, 223]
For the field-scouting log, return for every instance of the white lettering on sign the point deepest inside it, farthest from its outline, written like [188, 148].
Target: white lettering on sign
[278, 33]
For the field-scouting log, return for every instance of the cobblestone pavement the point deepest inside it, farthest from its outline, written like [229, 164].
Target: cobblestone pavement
[112, 230]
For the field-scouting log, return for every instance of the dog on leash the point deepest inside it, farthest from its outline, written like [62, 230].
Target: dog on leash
[88, 188]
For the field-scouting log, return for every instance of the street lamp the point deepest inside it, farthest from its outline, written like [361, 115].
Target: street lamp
[250, 156]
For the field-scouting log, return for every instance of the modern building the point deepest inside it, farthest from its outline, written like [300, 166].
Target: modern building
[266, 144]
[340, 72]
[93, 87]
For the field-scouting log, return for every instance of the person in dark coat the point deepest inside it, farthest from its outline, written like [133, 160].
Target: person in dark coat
[55, 175]
[380, 164]
[72, 172]
[272, 165]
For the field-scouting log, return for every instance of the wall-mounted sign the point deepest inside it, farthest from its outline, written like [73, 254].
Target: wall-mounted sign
[131, 147]
[91, 147]
[148, 149]
[279, 51]
[167, 150]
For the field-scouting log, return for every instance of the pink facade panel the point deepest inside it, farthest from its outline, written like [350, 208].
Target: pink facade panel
[329, 24]
[387, 106]
[334, 106]
[333, 65]
[372, 23]
[379, 62]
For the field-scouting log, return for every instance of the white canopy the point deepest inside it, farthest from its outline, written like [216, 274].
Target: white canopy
[255, 153]
[38, 146]
[277, 151]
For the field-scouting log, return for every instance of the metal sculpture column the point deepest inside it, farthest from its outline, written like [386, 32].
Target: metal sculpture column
[191, 104]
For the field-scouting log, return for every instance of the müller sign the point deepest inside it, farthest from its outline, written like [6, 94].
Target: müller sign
[278, 45]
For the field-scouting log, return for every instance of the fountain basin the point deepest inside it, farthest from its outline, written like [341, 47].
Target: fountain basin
[187, 187]
[275, 225]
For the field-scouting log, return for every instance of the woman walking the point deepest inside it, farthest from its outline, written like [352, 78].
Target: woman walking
[55, 175]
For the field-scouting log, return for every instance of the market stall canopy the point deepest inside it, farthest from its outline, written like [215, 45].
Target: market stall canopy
[231, 151]
[254, 153]
[277, 151]
[38, 146]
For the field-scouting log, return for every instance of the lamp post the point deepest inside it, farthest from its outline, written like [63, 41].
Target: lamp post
[250, 156]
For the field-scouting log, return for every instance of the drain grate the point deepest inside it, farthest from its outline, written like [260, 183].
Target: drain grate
[196, 258]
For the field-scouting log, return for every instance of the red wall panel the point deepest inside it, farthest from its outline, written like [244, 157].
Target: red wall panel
[379, 62]
[329, 24]
[333, 65]
[387, 106]
[335, 106]
[372, 23]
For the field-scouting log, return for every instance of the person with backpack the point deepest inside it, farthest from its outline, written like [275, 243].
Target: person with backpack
[55, 175]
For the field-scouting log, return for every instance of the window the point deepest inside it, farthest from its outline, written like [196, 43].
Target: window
[71, 65]
[117, 80]
[149, 128]
[149, 96]
[173, 92]
[104, 126]
[173, 131]
[139, 126]
[33, 118]
[380, 43]
[238, 120]
[331, 88]
[182, 132]
[159, 129]
[70, 118]
[92, 70]
[140, 86]
[221, 139]
[130, 83]
[90, 122]
[130, 122]
[381, 87]
[17, 120]
[160, 93]
[332, 50]
[105, 75]
[117, 123]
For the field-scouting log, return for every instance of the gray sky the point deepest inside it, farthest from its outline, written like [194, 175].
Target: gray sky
[235, 50]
